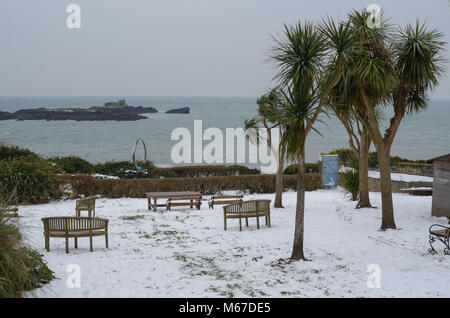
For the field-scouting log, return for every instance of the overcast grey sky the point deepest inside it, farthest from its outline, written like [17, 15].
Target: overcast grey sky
[165, 47]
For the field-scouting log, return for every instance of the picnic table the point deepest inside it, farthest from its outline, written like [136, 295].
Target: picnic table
[154, 196]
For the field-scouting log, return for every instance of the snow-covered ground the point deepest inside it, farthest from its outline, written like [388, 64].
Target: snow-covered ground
[402, 177]
[186, 253]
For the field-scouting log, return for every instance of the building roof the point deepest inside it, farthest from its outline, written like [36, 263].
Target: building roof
[443, 157]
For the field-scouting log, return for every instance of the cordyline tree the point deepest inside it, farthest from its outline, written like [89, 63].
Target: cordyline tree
[299, 58]
[269, 108]
[340, 44]
[390, 69]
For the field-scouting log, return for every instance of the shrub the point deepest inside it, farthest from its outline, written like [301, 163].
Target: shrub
[73, 164]
[350, 182]
[121, 169]
[346, 155]
[395, 160]
[14, 152]
[21, 268]
[31, 179]
[203, 171]
[309, 167]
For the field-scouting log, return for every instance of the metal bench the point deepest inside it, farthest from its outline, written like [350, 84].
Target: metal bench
[67, 227]
[190, 201]
[246, 210]
[439, 233]
[224, 199]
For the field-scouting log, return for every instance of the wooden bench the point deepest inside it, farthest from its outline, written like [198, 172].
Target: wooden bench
[246, 210]
[185, 201]
[11, 212]
[67, 227]
[439, 233]
[85, 204]
[224, 199]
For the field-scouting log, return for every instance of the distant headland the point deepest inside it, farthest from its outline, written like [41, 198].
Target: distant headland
[117, 111]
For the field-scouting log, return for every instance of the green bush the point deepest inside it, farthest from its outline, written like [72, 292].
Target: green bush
[203, 171]
[14, 152]
[395, 160]
[350, 182]
[31, 179]
[346, 155]
[309, 167]
[73, 164]
[122, 169]
[21, 268]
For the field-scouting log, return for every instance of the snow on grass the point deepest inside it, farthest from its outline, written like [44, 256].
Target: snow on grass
[186, 253]
[402, 177]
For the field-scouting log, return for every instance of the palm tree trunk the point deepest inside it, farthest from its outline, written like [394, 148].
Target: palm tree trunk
[384, 160]
[297, 251]
[279, 183]
[364, 201]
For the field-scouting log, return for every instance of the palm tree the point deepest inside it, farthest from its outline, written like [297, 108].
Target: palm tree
[299, 57]
[340, 41]
[269, 108]
[392, 69]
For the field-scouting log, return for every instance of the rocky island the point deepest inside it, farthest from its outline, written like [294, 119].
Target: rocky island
[183, 110]
[118, 111]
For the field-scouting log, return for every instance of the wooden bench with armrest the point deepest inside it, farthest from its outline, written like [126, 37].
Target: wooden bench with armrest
[246, 210]
[85, 204]
[74, 227]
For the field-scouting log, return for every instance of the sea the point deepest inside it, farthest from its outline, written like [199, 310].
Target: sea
[421, 136]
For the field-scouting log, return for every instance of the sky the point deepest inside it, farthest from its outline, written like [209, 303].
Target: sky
[167, 47]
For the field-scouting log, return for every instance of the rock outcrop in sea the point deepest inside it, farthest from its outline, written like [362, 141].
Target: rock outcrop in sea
[117, 111]
[183, 110]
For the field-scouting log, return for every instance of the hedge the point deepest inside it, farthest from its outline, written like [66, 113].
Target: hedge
[309, 167]
[136, 188]
[204, 171]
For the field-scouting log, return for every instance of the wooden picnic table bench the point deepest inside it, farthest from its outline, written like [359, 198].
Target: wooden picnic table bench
[153, 197]
[224, 199]
[185, 201]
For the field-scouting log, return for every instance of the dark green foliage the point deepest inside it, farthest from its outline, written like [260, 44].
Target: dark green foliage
[31, 179]
[13, 152]
[346, 155]
[309, 167]
[350, 182]
[21, 268]
[395, 160]
[73, 164]
[203, 171]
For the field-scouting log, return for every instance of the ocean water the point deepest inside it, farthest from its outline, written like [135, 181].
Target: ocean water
[420, 136]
